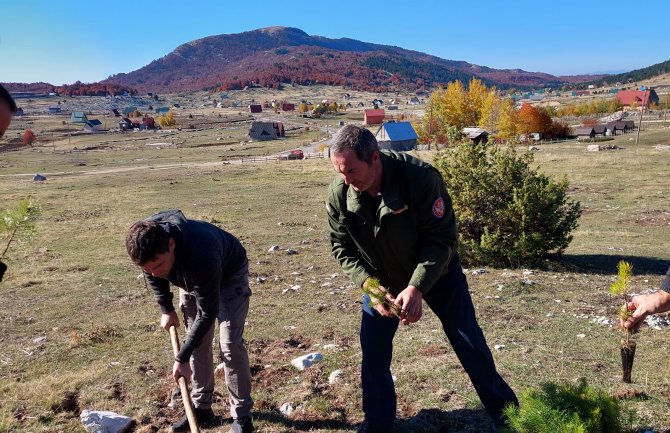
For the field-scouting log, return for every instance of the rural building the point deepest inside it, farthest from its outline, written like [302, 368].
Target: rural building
[19, 112]
[54, 110]
[373, 117]
[287, 106]
[93, 125]
[129, 110]
[255, 108]
[585, 133]
[162, 110]
[624, 126]
[78, 117]
[148, 123]
[125, 124]
[398, 136]
[414, 101]
[392, 107]
[115, 112]
[638, 98]
[266, 130]
[476, 135]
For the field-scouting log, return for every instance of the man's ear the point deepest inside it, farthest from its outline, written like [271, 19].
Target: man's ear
[171, 245]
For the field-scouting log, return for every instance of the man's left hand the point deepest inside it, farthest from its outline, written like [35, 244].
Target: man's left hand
[181, 370]
[410, 302]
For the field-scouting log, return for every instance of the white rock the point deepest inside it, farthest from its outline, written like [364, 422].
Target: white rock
[593, 148]
[292, 288]
[656, 322]
[274, 248]
[581, 335]
[330, 346]
[104, 421]
[335, 376]
[40, 339]
[286, 409]
[260, 279]
[527, 282]
[527, 272]
[478, 272]
[305, 361]
[291, 252]
[499, 346]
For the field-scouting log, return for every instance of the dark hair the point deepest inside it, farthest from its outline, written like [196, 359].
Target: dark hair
[5, 96]
[356, 138]
[145, 240]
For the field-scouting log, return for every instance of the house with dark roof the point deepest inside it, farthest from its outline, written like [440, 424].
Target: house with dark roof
[255, 108]
[125, 124]
[638, 98]
[266, 130]
[585, 133]
[398, 136]
[93, 125]
[476, 135]
[78, 117]
[373, 117]
[617, 126]
[54, 110]
[115, 112]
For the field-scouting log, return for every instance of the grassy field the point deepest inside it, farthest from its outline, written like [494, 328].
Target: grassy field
[79, 330]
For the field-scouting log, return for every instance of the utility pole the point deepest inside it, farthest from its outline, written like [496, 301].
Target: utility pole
[637, 137]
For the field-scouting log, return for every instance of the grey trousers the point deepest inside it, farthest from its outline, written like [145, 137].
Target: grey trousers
[233, 309]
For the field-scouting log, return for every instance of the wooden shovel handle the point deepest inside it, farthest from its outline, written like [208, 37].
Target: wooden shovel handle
[183, 386]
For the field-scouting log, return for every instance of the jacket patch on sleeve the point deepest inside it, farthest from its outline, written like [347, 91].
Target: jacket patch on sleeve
[438, 207]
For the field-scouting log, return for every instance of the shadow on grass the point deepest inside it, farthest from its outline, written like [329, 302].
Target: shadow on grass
[426, 421]
[606, 264]
[303, 425]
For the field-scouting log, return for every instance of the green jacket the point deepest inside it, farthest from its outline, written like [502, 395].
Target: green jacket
[408, 239]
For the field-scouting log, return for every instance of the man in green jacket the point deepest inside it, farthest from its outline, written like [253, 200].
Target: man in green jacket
[391, 218]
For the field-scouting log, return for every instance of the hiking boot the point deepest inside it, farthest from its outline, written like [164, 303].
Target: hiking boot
[242, 425]
[368, 427]
[204, 417]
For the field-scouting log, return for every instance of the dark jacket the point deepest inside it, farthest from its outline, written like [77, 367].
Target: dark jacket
[205, 256]
[408, 239]
[665, 285]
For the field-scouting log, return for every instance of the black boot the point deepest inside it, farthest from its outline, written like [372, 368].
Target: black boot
[204, 417]
[242, 425]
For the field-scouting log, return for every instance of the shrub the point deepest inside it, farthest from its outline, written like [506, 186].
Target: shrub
[567, 409]
[507, 212]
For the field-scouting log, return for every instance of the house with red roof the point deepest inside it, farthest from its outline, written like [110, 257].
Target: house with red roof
[374, 117]
[637, 98]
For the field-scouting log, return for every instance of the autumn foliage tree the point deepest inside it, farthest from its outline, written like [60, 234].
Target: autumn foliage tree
[28, 137]
[534, 119]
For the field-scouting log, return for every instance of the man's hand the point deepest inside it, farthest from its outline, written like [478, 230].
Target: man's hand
[181, 370]
[381, 307]
[644, 305]
[411, 305]
[169, 319]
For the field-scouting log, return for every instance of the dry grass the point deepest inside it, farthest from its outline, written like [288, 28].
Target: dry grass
[103, 350]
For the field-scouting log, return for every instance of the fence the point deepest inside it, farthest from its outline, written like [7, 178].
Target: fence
[271, 158]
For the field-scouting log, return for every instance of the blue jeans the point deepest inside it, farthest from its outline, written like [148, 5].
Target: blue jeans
[450, 300]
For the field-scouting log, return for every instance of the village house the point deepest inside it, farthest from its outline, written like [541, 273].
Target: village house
[93, 125]
[641, 99]
[266, 130]
[476, 135]
[373, 117]
[399, 136]
[78, 117]
[255, 108]
[125, 124]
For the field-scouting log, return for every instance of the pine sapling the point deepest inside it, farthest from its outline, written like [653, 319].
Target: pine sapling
[620, 289]
[377, 294]
[19, 221]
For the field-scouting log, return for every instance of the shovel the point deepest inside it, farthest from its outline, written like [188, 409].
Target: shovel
[185, 394]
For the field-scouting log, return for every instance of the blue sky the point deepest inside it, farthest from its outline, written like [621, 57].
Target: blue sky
[62, 41]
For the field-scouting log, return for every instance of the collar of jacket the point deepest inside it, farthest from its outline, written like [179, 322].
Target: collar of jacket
[391, 200]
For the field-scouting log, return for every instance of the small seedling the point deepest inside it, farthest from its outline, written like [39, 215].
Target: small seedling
[377, 295]
[620, 289]
[19, 221]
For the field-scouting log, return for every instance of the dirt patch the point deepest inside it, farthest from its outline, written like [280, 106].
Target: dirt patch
[117, 391]
[630, 394]
[69, 403]
[654, 218]
[432, 350]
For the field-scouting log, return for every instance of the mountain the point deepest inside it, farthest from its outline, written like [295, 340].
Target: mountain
[636, 75]
[276, 56]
